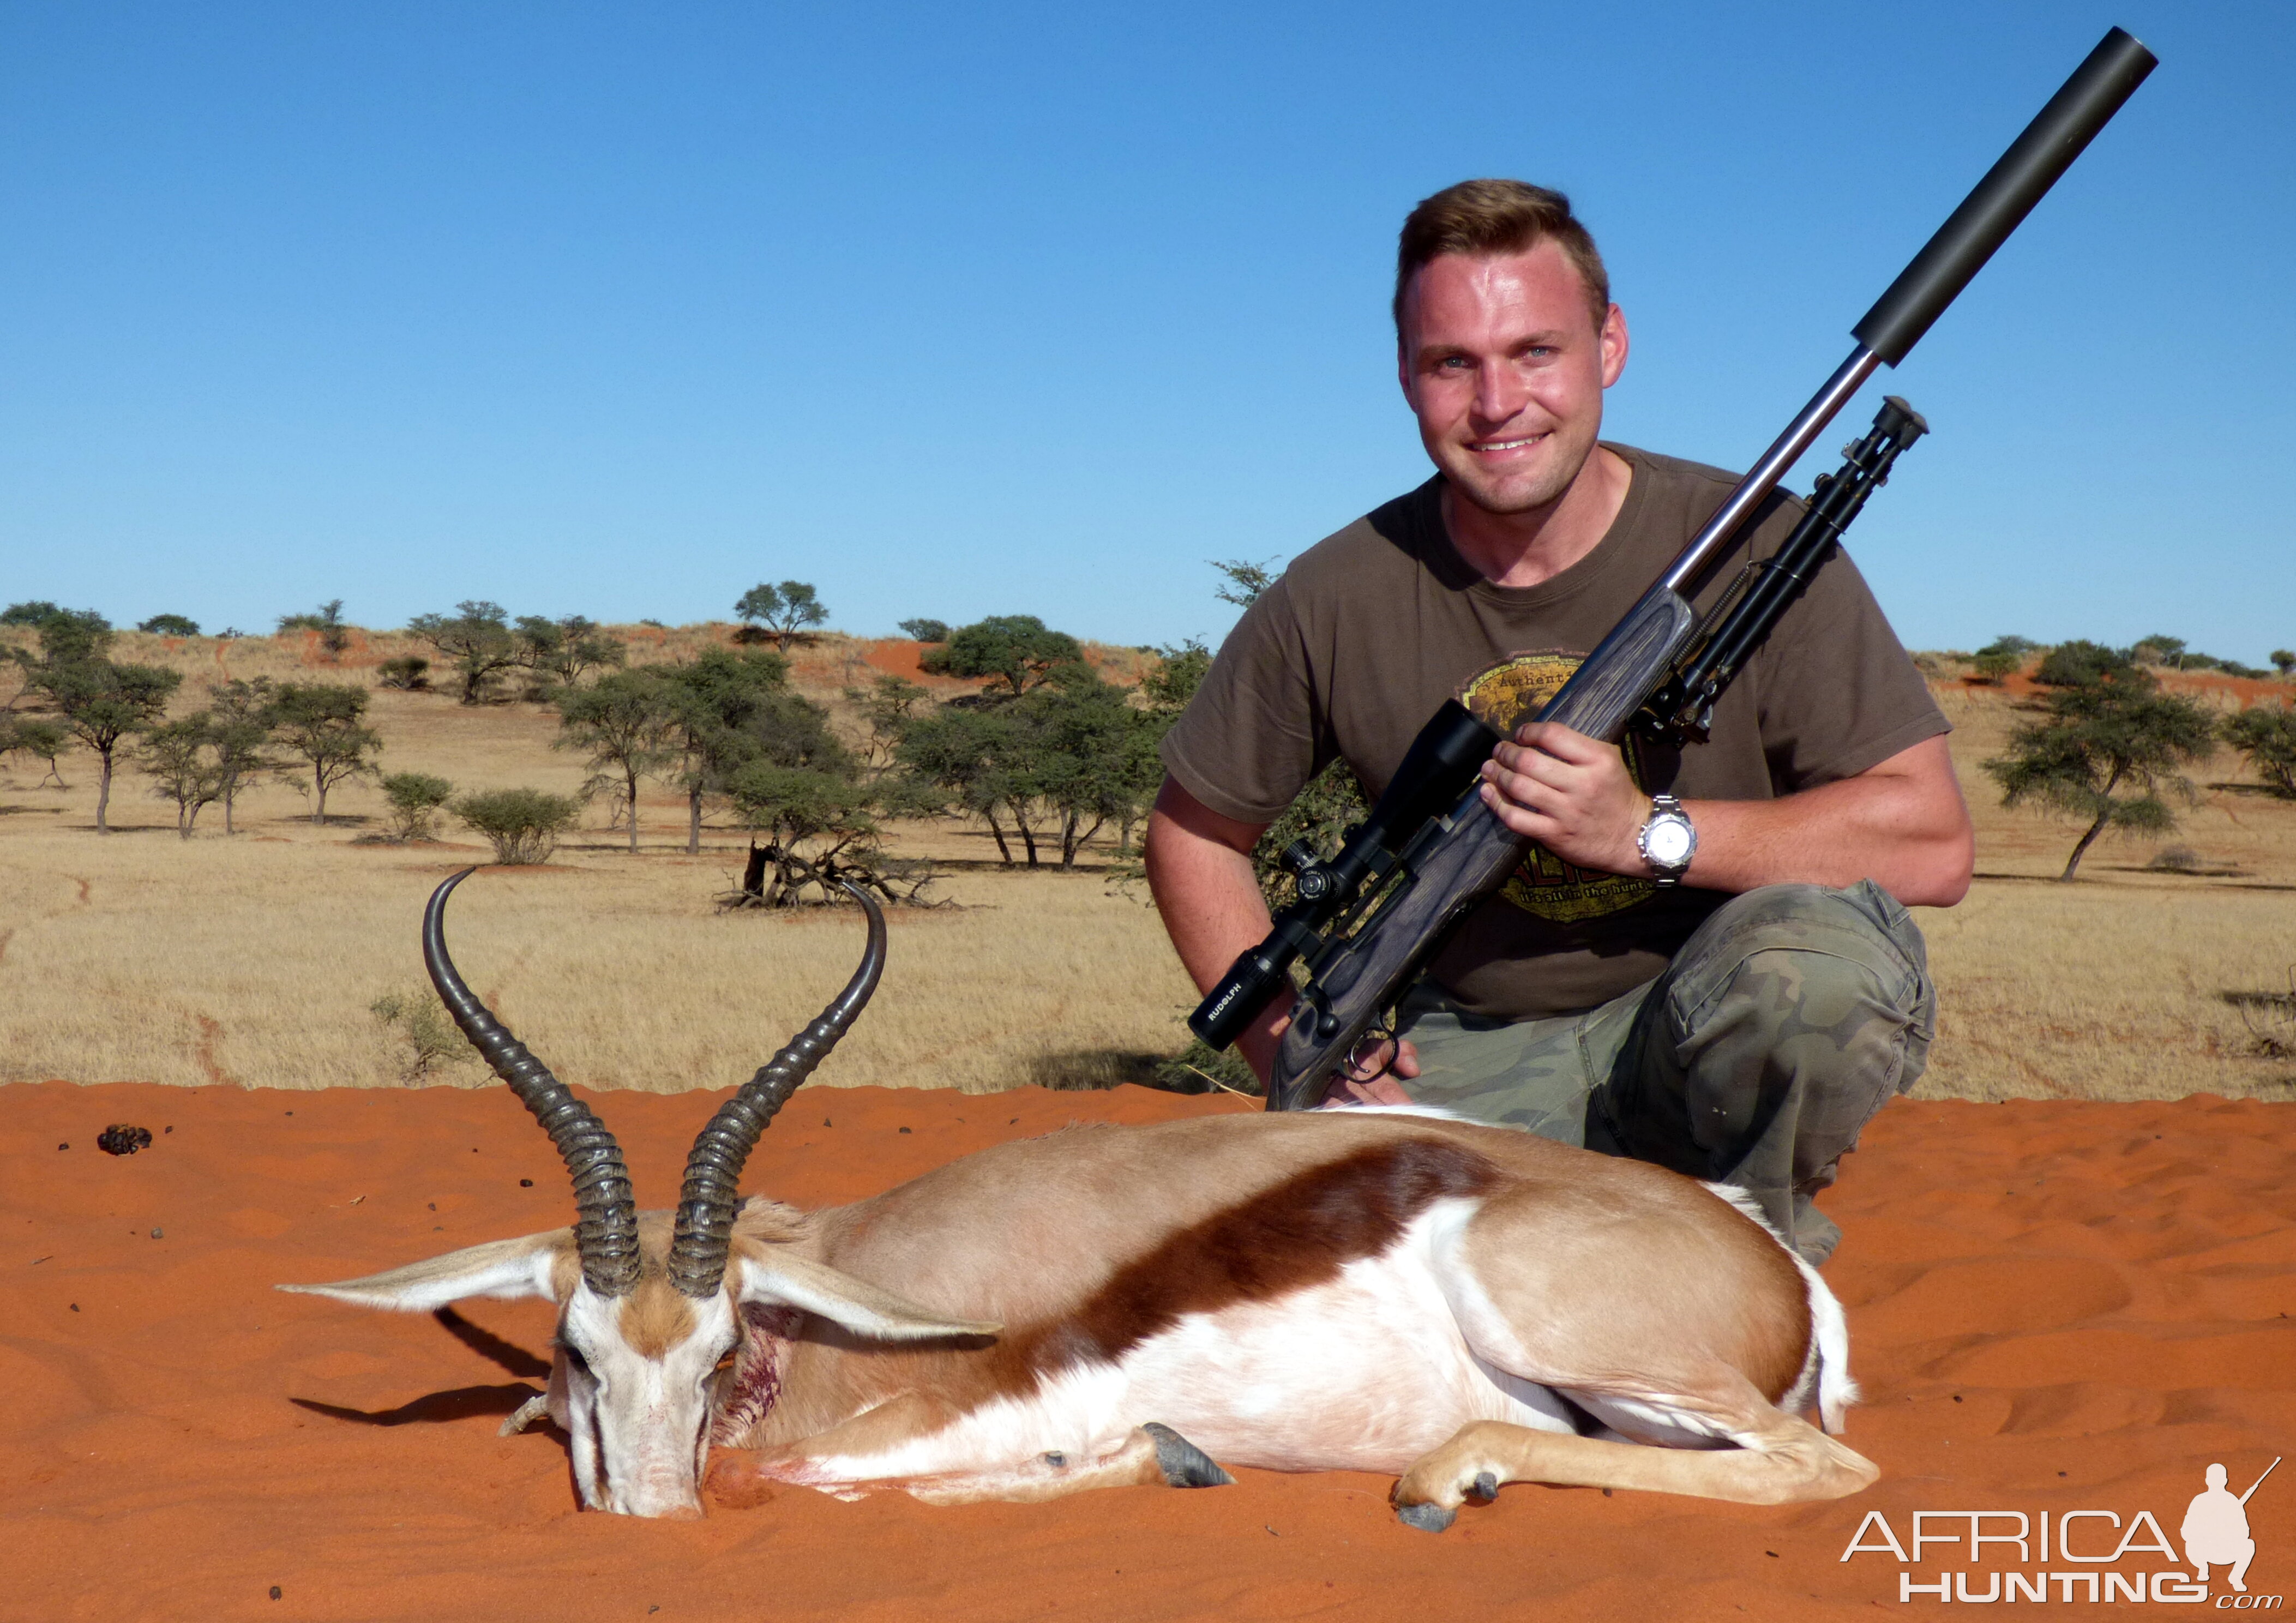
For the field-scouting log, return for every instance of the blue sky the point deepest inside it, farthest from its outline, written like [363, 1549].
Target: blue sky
[618, 309]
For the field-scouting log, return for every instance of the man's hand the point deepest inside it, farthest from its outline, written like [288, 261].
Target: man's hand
[1370, 1077]
[1570, 792]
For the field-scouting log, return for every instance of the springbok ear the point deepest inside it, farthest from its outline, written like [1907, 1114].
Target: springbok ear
[505, 1269]
[771, 1275]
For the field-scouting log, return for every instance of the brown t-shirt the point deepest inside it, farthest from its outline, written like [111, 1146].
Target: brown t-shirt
[1370, 630]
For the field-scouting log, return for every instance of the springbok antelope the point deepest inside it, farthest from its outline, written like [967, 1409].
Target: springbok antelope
[1372, 1289]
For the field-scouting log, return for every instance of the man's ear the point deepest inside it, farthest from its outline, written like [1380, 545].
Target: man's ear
[1613, 336]
[770, 1273]
[505, 1269]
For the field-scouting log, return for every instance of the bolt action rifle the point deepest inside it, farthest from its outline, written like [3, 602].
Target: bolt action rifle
[1431, 851]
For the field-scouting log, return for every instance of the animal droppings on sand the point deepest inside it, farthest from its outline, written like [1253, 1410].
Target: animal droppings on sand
[121, 1139]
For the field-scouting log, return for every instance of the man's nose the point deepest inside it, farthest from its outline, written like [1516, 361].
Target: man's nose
[1499, 393]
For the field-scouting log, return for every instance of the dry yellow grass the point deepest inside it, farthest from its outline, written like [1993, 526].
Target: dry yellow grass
[254, 960]
[2112, 987]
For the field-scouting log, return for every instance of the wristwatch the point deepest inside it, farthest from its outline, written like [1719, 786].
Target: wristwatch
[1667, 841]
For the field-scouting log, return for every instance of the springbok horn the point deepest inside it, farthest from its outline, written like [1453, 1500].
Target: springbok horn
[711, 1194]
[606, 1221]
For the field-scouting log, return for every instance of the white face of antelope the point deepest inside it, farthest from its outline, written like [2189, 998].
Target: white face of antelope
[635, 1383]
[634, 1387]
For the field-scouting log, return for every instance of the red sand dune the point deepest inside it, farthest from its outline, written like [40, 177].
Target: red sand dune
[2054, 1307]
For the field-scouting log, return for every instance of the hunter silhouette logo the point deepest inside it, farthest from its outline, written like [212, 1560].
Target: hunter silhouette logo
[2020, 1550]
[2216, 1530]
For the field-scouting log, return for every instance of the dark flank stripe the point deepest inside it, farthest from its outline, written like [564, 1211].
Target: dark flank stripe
[1295, 1235]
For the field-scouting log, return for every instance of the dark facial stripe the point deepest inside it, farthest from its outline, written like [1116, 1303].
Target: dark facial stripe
[1298, 1235]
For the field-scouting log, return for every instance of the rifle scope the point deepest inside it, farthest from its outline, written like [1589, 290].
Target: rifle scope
[1436, 770]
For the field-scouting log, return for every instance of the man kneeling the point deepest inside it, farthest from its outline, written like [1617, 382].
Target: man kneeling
[1705, 959]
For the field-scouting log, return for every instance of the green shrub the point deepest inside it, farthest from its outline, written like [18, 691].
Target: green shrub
[170, 624]
[416, 798]
[522, 825]
[406, 673]
[422, 1036]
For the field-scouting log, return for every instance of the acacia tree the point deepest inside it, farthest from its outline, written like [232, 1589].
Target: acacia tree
[977, 763]
[33, 736]
[2266, 735]
[563, 651]
[240, 721]
[2284, 660]
[711, 698]
[782, 611]
[887, 705]
[99, 702]
[477, 640]
[732, 708]
[2160, 648]
[179, 757]
[324, 723]
[1094, 754]
[2106, 751]
[627, 725]
[1016, 650]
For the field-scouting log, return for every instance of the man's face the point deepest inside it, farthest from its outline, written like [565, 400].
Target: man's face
[1504, 368]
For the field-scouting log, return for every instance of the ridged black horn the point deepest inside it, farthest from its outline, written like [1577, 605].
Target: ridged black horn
[711, 1194]
[606, 1214]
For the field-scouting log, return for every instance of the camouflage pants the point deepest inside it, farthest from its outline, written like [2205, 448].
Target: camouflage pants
[1786, 1021]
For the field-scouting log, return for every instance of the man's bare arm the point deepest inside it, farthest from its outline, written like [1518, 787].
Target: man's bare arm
[1200, 872]
[1901, 822]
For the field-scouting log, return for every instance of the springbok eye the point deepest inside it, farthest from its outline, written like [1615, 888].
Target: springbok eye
[573, 1355]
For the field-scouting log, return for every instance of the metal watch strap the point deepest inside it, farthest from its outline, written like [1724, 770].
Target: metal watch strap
[1664, 874]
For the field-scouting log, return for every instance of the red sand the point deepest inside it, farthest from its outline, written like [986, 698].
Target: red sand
[2054, 1307]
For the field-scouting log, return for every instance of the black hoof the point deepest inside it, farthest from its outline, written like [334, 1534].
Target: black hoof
[1484, 1488]
[1182, 1463]
[1429, 1518]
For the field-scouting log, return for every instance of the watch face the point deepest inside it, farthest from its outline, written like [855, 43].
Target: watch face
[1666, 842]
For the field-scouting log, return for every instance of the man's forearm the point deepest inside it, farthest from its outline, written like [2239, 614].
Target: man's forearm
[1882, 829]
[1200, 874]
[1901, 824]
